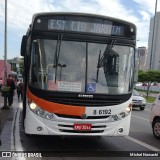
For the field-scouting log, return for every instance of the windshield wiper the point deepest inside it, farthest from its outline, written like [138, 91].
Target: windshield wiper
[57, 52]
[101, 59]
[107, 51]
[98, 65]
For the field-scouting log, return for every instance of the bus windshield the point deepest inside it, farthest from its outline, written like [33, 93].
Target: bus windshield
[74, 66]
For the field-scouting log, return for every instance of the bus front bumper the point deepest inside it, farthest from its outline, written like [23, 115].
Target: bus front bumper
[65, 126]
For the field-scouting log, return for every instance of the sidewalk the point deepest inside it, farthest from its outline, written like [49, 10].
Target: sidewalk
[3, 116]
[3, 113]
[6, 122]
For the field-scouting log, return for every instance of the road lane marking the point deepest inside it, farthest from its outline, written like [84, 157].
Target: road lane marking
[17, 132]
[148, 110]
[142, 144]
[140, 118]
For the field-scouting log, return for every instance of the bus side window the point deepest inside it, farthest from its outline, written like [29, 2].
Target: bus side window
[23, 45]
[34, 63]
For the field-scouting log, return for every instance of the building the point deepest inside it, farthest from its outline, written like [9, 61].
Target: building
[12, 68]
[2, 69]
[15, 65]
[142, 56]
[153, 59]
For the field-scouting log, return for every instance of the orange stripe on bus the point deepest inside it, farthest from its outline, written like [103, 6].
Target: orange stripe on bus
[56, 107]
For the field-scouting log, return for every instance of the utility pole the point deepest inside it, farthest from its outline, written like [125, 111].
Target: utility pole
[154, 22]
[5, 53]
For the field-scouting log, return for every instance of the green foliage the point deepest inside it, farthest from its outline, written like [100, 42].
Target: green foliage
[149, 76]
[14, 68]
[150, 99]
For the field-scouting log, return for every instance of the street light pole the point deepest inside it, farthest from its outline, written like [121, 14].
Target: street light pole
[153, 36]
[5, 53]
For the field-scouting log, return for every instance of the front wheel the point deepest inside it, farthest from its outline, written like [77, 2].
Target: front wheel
[142, 108]
[156, 128]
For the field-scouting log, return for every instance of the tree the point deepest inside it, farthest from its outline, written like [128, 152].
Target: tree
[149, 77]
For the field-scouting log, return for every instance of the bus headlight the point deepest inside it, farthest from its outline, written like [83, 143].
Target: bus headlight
[122, 115]
[49, 115]
[40, 111]
[32, 106]
[126, 112]
[114, 117]
[128, 109]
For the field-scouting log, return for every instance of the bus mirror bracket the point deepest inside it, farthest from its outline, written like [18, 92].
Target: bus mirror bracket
[23, 45]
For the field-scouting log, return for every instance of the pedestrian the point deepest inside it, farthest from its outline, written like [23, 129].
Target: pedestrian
[19, 89]
[1, 83]
[11, 84]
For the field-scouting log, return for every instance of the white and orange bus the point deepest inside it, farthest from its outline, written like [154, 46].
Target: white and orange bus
[79, 75]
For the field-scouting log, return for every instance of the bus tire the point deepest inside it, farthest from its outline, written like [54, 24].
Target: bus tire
[156, 125]
[142, 108]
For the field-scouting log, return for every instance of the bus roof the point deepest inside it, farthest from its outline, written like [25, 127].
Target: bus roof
[80, 14]
[81, 24]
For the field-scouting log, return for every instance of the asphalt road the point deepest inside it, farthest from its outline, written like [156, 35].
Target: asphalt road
[141, 128]
[140, 140]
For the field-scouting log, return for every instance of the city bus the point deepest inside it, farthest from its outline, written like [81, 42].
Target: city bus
[79, 72]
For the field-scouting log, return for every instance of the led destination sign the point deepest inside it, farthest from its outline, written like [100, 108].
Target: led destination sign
[87, 27]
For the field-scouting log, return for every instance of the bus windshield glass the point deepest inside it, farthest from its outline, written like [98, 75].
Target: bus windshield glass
[79, 66]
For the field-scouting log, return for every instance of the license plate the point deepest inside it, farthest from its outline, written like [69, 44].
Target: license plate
[82, 127]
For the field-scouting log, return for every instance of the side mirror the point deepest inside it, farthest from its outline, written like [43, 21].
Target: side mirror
[23, 45]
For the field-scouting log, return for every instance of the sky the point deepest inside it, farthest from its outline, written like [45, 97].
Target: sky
[19, 16]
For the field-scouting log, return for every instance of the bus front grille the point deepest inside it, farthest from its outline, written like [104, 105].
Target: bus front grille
[79, 117]
[81, 99]
[86, 102]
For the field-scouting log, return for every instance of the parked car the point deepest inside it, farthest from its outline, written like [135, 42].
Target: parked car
[138, 100]
[145, 84]
[155, 117]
